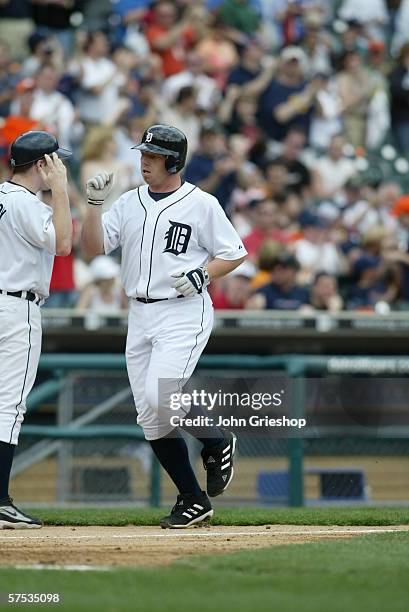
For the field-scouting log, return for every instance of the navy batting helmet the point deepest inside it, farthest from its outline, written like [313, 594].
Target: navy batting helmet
[166, 140]
[32, 146]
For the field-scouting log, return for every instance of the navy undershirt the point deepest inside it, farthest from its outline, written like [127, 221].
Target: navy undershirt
[160, 196]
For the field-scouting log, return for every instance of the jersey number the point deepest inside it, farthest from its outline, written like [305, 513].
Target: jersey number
[2, 211]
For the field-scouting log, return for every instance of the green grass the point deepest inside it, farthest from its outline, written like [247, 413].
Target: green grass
[363, 574]
[230, 516]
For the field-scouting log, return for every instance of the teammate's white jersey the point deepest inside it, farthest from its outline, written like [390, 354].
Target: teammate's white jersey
[27, 241]
[173, 235]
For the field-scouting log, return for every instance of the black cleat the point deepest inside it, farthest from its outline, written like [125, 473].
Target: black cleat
[218, 463]
[13, 518]
[188, 511]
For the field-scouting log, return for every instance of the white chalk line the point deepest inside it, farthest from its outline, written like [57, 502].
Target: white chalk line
[69, 568]
[195, 533]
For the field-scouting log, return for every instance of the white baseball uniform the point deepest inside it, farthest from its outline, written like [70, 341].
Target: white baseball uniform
[176, 234]
[27, 239]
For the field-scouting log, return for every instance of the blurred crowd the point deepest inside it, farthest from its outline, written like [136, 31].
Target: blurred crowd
[292, 108]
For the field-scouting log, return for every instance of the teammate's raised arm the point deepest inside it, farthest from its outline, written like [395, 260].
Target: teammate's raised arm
[92, 236]
[54, 175]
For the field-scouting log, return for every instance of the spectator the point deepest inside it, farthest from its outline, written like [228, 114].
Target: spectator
[212, 167]
[131, 14]
[378, 61]
[250, 187]
[373, 14]
[315, 252]
[238, 115]
[298, 175]
[208, 94]
[326, 121]
[332, 170]
[370, 285]
[104, 295]
[218, 52]
[8, 80]
[20, 120]
[99, 81]
[251, 64]
[357, 86]
[182, 114]
[54, 18]
[316, 44]
[171, 38]
[265, 227]
[398, 254]
[100, 153]
[401, 23]
[239, 15]
[269, 252]
[288, 99]
[399, 93]
[324, 293]
[283, 293]
[15, 25]
[363, 214]
[51, 107]
[235, 288]
[277, 179]
[43, 50]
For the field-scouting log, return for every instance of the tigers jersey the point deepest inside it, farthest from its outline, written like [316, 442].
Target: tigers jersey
[160, 238]
[27, 241]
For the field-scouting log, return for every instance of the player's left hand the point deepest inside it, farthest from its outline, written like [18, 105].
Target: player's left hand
[190, 283]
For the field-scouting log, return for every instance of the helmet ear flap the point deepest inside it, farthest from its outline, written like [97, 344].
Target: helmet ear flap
[170, 165]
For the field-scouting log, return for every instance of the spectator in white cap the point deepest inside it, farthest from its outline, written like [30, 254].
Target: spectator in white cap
[235, 288]
[103, 295]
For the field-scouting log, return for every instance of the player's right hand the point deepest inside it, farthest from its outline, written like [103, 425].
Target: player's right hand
[54, 173]
[99, 186]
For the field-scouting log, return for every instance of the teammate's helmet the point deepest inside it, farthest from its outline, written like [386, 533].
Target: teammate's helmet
[166, 140]
[32, 146]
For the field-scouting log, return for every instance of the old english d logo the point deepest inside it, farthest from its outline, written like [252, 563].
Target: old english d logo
[177, 238]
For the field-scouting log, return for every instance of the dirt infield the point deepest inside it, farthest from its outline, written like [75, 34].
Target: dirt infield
[150, 546]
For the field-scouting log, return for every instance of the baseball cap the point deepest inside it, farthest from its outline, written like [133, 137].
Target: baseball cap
[293, 53]
[401, 206]
[211, 126]
[246, 269]
[310, 219]
[287, 260]
[103, 268]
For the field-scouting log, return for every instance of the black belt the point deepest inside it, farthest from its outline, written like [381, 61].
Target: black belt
[30, 296]
[151, 301]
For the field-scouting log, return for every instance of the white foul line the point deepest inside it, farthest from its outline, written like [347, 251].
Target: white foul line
[194, 533]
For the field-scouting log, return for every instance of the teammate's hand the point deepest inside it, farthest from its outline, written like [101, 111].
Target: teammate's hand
[98, 187]
[190, 283]
[54, 173]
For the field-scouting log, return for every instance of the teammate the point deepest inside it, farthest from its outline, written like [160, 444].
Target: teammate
[31, 233]
[175, 239]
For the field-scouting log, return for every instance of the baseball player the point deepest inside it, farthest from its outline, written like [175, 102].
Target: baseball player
[31, 233]
[175, 239]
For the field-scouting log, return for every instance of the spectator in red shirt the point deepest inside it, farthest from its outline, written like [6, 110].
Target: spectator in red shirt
[170, 38]
[63, 293]
[235, 288]
[265, 219]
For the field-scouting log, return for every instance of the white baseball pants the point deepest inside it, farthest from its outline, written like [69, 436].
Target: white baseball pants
[164, 343]
[20, 348]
